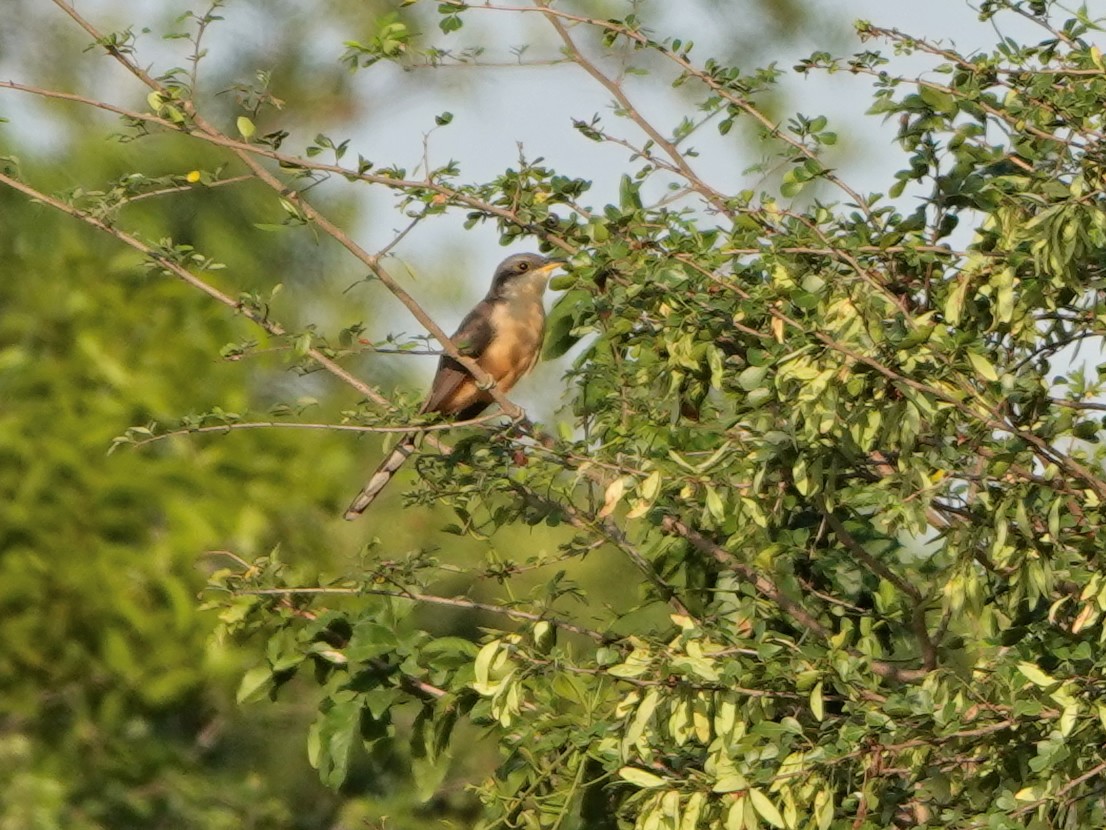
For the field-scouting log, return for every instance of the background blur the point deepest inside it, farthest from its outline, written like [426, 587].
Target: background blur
[116, 705]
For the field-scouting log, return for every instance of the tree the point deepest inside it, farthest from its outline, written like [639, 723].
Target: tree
[839, 441]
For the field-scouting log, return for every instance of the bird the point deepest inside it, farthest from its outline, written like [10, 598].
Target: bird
[503, 333]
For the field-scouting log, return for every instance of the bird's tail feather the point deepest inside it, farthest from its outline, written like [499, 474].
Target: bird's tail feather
[379, 480]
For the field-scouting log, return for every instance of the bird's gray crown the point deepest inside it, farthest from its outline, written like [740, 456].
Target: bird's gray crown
[515, 267]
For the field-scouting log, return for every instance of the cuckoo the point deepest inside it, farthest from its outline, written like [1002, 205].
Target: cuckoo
[503, 334]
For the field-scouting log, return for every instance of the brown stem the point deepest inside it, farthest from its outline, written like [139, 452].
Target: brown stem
[246, 156]
[431, 599]
[768, 589]
[191, 279]
[917, 615]
[222, 428]
[615, 89]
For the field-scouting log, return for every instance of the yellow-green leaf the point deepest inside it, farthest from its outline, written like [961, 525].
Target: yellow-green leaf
[1035, 675]
[823, 809]
[817, 705]
[715, 506]
[954, 307]
[641, 778]
[982, 366]
[765, 808]
[612, 496]
[254, 682]
[730, 783]
[690, 819]
[735, 818]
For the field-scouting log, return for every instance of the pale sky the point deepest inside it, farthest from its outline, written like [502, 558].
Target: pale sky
[500, 108]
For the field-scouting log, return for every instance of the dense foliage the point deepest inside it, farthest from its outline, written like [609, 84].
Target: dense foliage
[843, 447]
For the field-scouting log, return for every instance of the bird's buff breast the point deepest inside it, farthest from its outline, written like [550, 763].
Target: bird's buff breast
[516, 345]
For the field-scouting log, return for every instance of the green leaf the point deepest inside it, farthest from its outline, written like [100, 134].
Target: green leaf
[255, 684]
[628, 194]
[752, 377]
[983, 367]
[715, 506]
[765, 808]
[943, 102]
[791, 185]
[370, 639]
[339, 725]
[560, 323]
[641, 778]
[428, 775]
[427, 767]
[1034, 675]
[450, 23]
[597, 231]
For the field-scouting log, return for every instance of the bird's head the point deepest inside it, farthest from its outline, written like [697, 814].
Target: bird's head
[522, 275]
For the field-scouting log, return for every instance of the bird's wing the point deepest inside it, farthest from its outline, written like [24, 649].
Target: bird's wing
[472, 339]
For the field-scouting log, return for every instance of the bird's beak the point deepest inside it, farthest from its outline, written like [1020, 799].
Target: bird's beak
[551, 266]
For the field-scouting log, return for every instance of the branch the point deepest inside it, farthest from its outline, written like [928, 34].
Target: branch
[768, 589]
[743, 104]
[615, 89]
[223, 428]
[245, 154]
[917, 617]
[452, 194]
[432, 599]
[275, 329]
[613, 534]
[1093, 772]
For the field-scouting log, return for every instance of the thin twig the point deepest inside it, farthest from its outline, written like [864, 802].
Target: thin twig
[768, 589]
[432, 599]
[275, 329]
[677, 158]
[223, 428]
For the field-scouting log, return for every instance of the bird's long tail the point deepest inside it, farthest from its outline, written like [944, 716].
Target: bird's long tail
[379, 480]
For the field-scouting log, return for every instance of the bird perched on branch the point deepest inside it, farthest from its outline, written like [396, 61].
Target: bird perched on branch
[503, 334]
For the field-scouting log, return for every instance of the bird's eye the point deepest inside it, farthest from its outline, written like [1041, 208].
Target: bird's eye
[524, 266]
